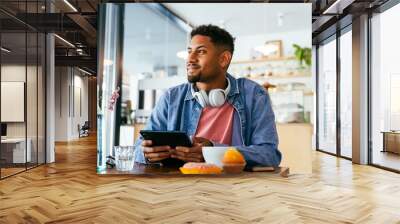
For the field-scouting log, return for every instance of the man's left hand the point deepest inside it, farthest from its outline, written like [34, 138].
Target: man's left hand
[191, 154]
[188, 154]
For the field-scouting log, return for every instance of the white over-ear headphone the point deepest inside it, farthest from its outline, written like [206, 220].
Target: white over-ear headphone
[215, 98]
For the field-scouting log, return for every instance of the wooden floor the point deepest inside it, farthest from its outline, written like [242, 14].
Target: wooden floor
[387, 159]
[70, 191]
[5, 172]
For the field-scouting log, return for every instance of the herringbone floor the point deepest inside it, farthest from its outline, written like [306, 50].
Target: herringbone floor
[69, 191]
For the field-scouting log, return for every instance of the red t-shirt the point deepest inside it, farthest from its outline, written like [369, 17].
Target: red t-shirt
[216, 124]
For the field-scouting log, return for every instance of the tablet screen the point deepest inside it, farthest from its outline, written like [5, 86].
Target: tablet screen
[170, 138]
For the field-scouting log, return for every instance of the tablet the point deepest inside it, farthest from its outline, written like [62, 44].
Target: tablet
[170, 138]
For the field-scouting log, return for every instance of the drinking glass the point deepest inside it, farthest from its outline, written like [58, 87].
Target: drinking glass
[124, 157]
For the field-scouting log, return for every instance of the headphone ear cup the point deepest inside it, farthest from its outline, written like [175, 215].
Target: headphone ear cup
[204, 96]
[217, 97]
[199, 97]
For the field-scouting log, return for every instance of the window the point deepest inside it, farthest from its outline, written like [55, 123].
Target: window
[346, 94]
[385, 84]
[327, 97]
[22, 76]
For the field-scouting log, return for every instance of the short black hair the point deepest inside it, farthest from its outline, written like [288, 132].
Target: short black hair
[218, 36]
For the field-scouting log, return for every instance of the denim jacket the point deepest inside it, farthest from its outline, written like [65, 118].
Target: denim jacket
[253, 133]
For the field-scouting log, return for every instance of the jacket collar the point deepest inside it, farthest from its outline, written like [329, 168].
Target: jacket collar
[234, 88]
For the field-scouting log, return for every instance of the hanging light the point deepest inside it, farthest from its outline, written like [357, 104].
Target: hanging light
[337, 7]
[64, 40]
[84, 71]
[70, 5]
[280, 19]
[5, 50]
[182, 54]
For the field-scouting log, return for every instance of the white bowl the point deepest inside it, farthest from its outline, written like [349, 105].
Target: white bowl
[214, 155]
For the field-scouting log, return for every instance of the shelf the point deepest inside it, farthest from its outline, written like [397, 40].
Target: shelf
[308, 93]
[279, 77]
[264, 60]
[305, 92]
[282, 79]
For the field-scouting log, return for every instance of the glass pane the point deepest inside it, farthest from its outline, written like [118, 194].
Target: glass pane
[156, 49]
[31, 98]
[41, 98]
[32, 85]
[13, 86]
[327, 97]
[346, 94]
[386, 89]
[108, 79]
[22, 82]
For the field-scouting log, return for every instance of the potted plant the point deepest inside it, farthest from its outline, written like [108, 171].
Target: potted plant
[303, 55]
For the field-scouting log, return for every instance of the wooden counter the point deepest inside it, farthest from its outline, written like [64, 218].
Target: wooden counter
[295, 143]
[157, 170]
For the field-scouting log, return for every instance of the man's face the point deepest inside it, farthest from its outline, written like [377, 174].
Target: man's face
[204, 62]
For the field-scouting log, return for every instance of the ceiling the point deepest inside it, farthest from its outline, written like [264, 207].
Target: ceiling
[243, 19]
[332, 15]
[80, 28]
[73, 20]
[19, 53]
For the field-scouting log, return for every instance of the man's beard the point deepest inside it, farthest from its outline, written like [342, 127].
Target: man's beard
[200, 76]
[194, 78]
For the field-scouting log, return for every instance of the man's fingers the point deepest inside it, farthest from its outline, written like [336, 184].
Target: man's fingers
[157, 155]
[156, 149]
[147, 149]
[155, 160]
[188, 159]
[196, 149]
[147, 143]
[189, 155]
[199, 139]
[182, 149]
[164, 148]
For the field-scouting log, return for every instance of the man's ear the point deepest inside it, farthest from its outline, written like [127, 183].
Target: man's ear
[225, 59]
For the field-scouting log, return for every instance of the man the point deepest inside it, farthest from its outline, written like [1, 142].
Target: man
[214, 107]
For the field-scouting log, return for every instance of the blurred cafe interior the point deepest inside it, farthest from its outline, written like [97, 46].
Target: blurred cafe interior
[272, 48]
[330, 67]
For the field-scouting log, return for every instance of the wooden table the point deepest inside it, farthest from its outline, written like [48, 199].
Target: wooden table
[391, 141]
[14, 150]
[140, 169]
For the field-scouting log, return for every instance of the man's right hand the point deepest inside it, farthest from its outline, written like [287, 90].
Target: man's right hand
[155, 153]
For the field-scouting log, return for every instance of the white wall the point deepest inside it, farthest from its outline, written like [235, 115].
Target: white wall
[61, 103]
[80, 83]
[243, 44]
[33, 126]
[12, 73]
[71, 93]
